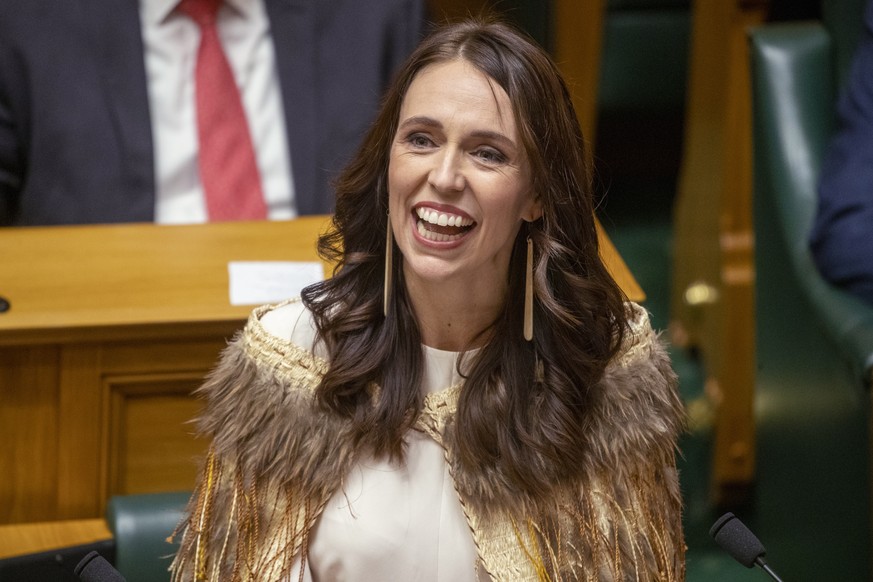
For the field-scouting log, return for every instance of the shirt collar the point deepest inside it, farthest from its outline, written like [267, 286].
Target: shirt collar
[156, 12]
[245, 8]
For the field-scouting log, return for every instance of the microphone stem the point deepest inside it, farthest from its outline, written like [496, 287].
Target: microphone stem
[766, 567]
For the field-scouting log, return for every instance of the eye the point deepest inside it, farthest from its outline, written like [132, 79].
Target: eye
[489, 155]
[419, 141]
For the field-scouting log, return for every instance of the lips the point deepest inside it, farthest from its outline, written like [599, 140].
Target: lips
[439, 226]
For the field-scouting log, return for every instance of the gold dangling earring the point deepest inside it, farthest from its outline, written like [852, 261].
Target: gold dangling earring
[389, 263]
[528, 293]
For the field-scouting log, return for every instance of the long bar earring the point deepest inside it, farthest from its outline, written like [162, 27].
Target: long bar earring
[528, 293]
[389, 264]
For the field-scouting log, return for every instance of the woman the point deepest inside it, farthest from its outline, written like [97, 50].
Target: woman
[469, 397]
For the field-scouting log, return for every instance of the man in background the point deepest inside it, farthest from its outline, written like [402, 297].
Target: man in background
[842, 237]
[126, 111]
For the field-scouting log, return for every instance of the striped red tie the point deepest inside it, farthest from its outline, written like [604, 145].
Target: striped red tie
[226, 156]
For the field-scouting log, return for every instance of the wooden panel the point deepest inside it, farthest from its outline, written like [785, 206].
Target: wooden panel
[125, 428]
[29, 538]
[28, 433]
[578, 46]
[697, 258]
[151, 446]
[166, 356]
[733, 468]
[712, 302]
[80, 424]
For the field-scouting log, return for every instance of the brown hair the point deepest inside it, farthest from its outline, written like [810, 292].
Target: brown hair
[526, 426]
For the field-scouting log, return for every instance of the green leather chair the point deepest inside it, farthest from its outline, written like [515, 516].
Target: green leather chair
[815, 343]
[140, 525]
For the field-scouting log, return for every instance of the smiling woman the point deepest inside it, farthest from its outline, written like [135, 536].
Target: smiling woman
[470, 397]
[459, 190]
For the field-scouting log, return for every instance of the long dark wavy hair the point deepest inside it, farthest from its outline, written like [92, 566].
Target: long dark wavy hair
[523, 405]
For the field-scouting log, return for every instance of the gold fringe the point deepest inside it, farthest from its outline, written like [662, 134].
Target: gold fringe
[535, 559]
[200, 560]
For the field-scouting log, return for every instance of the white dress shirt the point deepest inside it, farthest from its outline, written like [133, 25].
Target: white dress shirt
[389, 520]
[170, 42]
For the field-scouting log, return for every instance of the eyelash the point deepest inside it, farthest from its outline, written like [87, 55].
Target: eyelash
[416, 140]
[419, 140]
[495, 157]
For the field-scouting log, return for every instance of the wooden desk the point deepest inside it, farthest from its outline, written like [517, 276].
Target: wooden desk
[30, 538]
[110, 329]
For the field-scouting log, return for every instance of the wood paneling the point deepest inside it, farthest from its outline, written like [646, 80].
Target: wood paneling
[21, 539]
[712, 306]
[150, 442]
[110, 329]
[80, 425]
[28, 433]
[578, 46]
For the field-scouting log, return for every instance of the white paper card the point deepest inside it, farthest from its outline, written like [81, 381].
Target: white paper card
[259, 282]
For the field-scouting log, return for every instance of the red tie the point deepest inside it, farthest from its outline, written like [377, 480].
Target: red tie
[228, 170]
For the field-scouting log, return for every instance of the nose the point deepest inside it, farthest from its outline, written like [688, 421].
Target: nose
[447, 174]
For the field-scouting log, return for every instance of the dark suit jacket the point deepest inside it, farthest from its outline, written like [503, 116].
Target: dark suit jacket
[842, 237]
[75, 131]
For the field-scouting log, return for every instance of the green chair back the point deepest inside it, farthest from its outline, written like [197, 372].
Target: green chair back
[141, 525]
[814, 342]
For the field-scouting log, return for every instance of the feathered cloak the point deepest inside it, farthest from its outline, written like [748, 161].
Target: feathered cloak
[277, 457]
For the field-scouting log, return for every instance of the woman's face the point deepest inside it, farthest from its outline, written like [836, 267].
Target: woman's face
[458, 178]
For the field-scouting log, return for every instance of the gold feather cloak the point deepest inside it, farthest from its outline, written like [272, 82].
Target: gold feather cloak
[277, 457]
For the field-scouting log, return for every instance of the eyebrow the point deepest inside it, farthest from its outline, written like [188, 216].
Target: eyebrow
[480, 133]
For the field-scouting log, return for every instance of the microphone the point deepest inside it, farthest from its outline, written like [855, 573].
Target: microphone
[738, 541]
[94, 568]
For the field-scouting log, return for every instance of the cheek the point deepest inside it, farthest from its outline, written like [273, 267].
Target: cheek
[395, 184]
[399, 177]
[510, 203]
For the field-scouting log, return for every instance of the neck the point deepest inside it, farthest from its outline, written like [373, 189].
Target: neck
[454, 317]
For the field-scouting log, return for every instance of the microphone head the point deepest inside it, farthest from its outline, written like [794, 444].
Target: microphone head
[94, 568]
[737, 540]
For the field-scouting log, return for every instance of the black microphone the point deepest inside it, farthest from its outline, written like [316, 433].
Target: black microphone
[738, 541]
[94, 568]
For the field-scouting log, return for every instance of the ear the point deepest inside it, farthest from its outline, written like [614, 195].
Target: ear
[534, 210]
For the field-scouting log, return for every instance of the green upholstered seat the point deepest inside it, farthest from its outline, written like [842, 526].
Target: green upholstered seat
[814, 342]
[141, 525]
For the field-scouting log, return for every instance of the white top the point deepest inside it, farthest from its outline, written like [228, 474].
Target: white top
[170, 41]
[390, 521]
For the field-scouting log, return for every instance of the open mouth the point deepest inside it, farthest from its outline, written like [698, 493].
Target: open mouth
[441, 226]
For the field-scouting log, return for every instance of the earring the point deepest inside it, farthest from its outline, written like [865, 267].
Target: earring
[389, 263]
[528, 293]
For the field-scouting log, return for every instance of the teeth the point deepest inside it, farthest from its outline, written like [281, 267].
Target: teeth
[435, 236]
[442, 219]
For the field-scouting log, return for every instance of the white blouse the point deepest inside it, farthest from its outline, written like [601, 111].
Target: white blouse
[390, 521]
